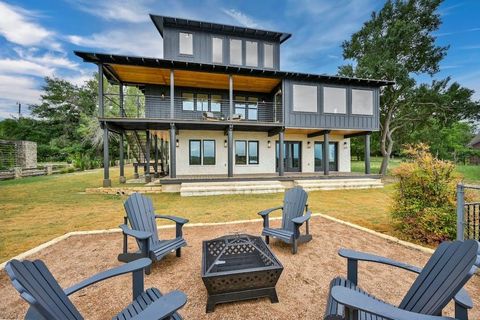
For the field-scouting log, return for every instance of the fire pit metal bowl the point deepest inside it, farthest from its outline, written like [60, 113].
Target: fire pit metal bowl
[239, 267]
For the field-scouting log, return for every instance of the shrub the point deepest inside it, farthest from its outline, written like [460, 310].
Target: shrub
[425, 199]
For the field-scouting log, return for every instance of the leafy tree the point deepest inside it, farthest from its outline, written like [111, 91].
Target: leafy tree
[395, 44]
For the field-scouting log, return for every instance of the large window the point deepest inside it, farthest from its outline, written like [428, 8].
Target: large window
[304, 98]
[195, 152]
[251, 58]
[236, 51]
[185, 43]
[362, 101]
[208, 152]
[252, 152]
[240, 152]
[202, 102]
[240, 107]
[246, 107]
[216, 103]
[217, 50]
[187, 101]
[252, 108]
[334, 100]
[268, 55]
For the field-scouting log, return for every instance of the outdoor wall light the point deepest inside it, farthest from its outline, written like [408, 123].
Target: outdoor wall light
[225, 143]
[309, 144]
[163, 95]
[177, 143]
[269, 144]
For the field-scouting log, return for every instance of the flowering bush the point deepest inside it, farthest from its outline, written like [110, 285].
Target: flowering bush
[425, 198]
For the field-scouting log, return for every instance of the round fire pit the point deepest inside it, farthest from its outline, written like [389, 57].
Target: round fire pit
[239, 267]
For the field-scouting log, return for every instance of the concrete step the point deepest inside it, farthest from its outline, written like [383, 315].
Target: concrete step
[188, 189]
[335, 184]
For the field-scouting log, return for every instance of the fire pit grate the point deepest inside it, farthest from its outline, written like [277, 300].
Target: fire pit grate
[239, 267]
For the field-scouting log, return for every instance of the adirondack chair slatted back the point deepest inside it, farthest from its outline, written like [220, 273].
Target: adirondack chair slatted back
[294, 204]
[444, 274]
[141, 216]
[39, 288]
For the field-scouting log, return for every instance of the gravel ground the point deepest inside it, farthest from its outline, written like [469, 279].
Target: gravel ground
[302, 288]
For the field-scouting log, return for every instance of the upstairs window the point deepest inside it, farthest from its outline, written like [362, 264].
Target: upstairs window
[268, 55]
[185, 43]
[216, 103]
[362, 102]
[334, 100]
[251, 58]
[217, 50]
[304, 98]
[202, 102]
[236, 51]
[187, 101]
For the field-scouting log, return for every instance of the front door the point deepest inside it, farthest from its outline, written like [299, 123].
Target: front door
[332, 155]
[292, 156]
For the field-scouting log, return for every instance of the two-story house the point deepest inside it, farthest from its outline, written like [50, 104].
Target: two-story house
[229, 113]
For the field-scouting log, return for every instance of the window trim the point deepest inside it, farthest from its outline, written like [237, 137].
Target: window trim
[180, 53]
[246, 152]
[214, 152]
[258, 152]
[347, 103]
[190, 152]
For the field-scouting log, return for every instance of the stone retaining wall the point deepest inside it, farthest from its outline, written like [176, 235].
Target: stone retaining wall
[123, 190]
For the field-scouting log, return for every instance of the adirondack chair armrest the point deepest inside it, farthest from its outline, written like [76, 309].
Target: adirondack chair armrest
[301, 220]
[266, 212]
[358, 301]
[173, 218]
[133, 266]
[163, 307]
[361, 256]
[141, 235]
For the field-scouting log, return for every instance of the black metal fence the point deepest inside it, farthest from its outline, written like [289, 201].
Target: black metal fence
[468, 214]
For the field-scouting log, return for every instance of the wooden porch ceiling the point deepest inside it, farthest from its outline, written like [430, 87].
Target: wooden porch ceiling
[184, 78]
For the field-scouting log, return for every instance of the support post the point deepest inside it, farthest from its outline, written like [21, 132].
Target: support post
[460, 215]
[148, 178]
[173, 149]
[326, 160]
[281, 137]
[122, 160]
[367, 154]
[172, 94]
[155, 164]
[106, 164]
[101, 111]
[120, 91]
[230, 96]
[162, 156]
[230, 151]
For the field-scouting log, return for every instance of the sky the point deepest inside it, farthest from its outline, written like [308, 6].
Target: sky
[37, 38]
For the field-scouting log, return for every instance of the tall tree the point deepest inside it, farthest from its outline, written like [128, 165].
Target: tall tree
[396, 44]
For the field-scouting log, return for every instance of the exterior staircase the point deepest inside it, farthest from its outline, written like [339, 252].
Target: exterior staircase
[335, 184]
[188, 189]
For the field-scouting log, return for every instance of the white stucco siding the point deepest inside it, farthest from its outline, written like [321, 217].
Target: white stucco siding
[266, 154]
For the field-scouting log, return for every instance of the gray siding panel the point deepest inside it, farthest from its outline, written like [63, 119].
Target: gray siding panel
[323, 120]
[202, 47]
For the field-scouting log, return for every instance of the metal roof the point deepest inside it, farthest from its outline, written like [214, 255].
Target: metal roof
[102, 58]
[164, 21]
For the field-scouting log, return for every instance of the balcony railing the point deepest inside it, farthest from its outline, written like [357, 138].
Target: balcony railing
[159, 107]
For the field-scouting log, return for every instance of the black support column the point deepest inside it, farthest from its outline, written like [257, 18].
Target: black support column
[172, 94]
[148, 178]
[230, 150]
[106, 161]
[122, 160]
[326, 160]
[230, 96]
[155, 164]
[367, 154]
[173, 149]
[281, 138]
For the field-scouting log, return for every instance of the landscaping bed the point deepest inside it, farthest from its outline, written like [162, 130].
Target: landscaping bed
[302, 289]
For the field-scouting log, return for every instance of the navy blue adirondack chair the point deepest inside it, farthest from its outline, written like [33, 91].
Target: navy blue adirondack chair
[143, 227]
[441, 280]
[293, 217]
[48, 301]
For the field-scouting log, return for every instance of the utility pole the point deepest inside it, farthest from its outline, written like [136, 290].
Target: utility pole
[19, 109]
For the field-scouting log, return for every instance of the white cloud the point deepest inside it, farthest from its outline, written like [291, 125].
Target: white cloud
[17, 25]
[140, 41]
[242, 18]
[19, 66]
[19, 88]
[127, 11]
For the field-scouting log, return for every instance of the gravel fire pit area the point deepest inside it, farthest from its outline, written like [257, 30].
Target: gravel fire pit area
[302, 288]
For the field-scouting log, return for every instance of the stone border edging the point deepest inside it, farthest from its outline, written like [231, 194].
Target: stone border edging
[105, 231]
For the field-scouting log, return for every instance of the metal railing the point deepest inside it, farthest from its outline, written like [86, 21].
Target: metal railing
[159, 107]
[468, 214]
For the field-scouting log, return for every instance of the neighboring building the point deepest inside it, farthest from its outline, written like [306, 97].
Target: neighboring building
[221, 99]
[475, 144]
